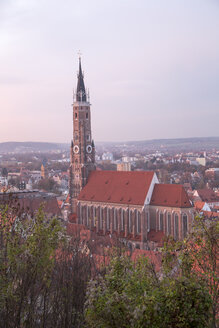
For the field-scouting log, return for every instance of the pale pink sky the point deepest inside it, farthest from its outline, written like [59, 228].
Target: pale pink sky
[152, 68]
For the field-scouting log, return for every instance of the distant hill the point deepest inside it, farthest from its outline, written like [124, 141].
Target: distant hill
[27, 147]
[174, 145]
[171, 145]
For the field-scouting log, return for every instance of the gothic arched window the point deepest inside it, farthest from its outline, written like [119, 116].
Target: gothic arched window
[130, 221]
[185, 225]
[101, 218]
[138, 222]
[107, 219]
[115, 223]
[169, 224]
[161, 222]
[87, 216]
[147, 221]
[176, 227]
[122, 219]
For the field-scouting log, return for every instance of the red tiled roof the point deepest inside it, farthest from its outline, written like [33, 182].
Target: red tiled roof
[97, 241]
[60, 202]
[172, 195]
[156, 236]
[210, 215]
[207, 195]
[155, 257]
[74, 229]
[72, 218]
[67, 198]
[199, 205]
[32, 205]
[117, 187]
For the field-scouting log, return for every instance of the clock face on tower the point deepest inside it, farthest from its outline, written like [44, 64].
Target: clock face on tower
[89, 149]
[76, 149]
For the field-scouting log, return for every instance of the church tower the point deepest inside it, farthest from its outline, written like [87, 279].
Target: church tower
[82, 153]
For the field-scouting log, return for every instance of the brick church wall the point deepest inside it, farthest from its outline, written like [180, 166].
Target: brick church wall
[134, 222]
[159, 213]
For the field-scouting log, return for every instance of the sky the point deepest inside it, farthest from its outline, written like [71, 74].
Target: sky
[151, 66]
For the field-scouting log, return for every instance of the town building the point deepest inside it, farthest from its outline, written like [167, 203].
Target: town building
[212, 173]
[131, 205]
[201, 160]
[124, 166]
[107, 157]
[29, 202]
[206, 195]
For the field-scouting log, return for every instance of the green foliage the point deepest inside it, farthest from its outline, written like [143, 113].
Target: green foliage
[48, 184]
[135, 295]
[43, 273]
[200, 253]
[26, 263]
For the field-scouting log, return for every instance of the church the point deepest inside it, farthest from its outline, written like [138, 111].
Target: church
[132, 205]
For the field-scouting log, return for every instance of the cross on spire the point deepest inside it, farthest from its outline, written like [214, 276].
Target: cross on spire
[79, 54]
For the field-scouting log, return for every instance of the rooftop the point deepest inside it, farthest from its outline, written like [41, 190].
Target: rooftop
[170, 195]
[119, 187]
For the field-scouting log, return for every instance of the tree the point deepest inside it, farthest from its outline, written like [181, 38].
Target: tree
[48, 184]
[135, 295]
[43, 273]
[69, 282]
[14, 181]
[27, 251]
[200, 250]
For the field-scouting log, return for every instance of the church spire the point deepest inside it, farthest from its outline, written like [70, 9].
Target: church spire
[82, 147]
[81, 92]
